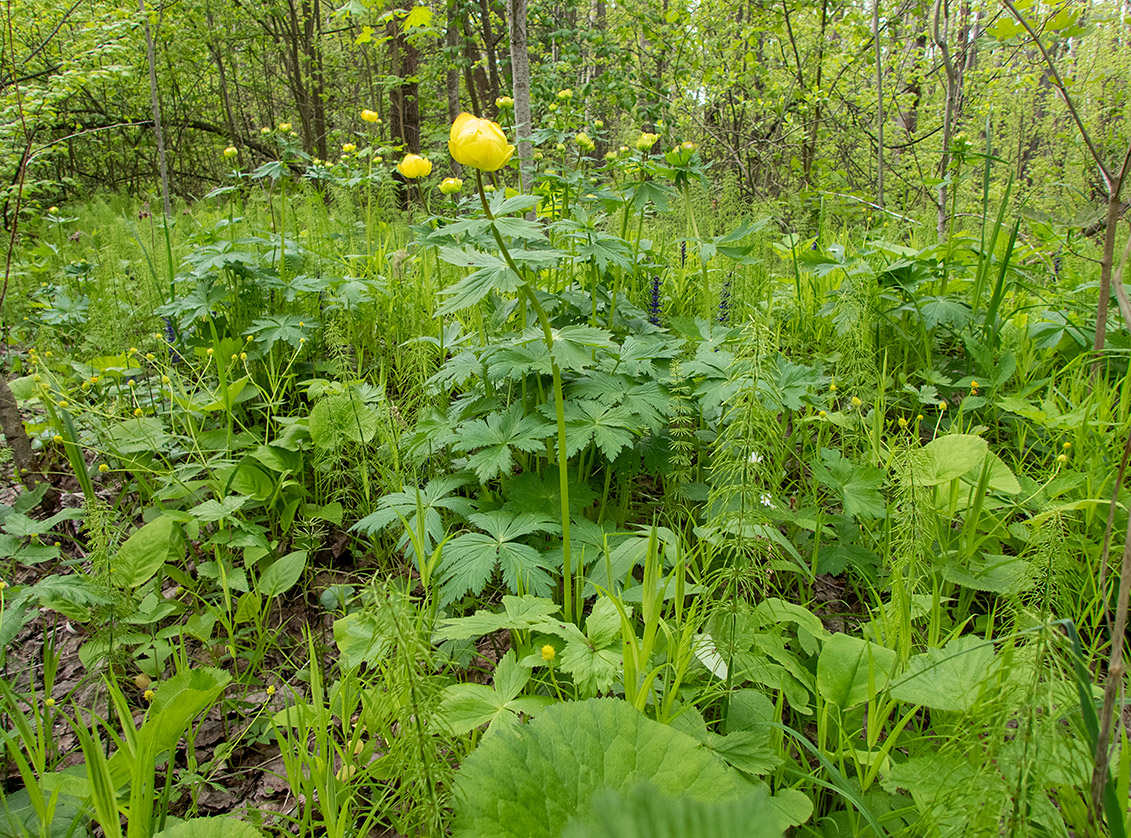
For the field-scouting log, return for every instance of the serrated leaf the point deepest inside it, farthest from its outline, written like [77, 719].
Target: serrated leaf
[497, 437]
[469, 560]
[857, 485]
[519, 614]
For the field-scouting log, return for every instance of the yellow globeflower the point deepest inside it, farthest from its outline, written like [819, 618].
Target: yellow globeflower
[504, 102]
[549, 653]
[414, 166]
[451, 185]
[349, 148]
[479, 143]
[370, 116]
[284, 127]
[231, 151]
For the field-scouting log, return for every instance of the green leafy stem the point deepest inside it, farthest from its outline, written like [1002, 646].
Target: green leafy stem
[559, 401]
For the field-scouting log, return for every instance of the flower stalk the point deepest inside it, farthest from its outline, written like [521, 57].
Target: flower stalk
[559, 402]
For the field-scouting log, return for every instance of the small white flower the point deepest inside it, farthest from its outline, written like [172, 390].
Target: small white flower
[755, 458]
[767, 500]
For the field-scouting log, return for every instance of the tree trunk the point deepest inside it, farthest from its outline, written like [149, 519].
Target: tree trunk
[879, 104]
[953, 91]
[520, 72]
[489, 41]
[404, 105]
[155, 102]
[13, 426]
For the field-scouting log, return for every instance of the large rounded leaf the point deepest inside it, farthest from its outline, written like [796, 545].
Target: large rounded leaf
[220, 827]
[533, 782]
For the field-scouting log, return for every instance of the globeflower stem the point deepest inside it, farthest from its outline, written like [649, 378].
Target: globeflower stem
[559, 402]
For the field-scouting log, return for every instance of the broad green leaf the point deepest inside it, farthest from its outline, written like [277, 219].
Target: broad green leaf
[851, 671]
[282, 575]
[552, 768]
[647, 812]
[136, 436]
[222, 826]
[950, 678]
[142, 554]
[951, 456]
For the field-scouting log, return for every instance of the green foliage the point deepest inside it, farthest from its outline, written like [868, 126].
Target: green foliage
[554, 767]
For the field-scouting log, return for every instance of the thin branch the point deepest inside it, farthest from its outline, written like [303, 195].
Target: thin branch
[1059, 83]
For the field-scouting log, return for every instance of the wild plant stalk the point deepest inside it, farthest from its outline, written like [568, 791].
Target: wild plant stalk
[1115, 672]
[1113, 181]
[559, 403]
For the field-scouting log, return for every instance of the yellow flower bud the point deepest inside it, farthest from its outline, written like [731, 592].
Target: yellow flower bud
[349, 148]
[103, 468]
[451, 185]
[231, 151]
[549, 653]
[565, 95]
[646, 141]
[370, 116]
[284, 127]
[504, 102]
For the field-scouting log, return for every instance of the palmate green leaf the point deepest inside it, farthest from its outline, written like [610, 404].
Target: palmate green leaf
[436, 495]
[497, 437]
[647, 400]
[653, 191]
[502, 205]
[785, 384]
[857, 485]
[492, 276]
[518, 614]
[639, 354]
[520, 228]
[593, 659]
[467, 706]
[605, 250]
[468, 561]
[288, 328]
[553, 767]
[574, 345]
[609, 428]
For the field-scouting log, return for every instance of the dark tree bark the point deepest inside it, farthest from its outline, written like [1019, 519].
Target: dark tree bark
[404, 103]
